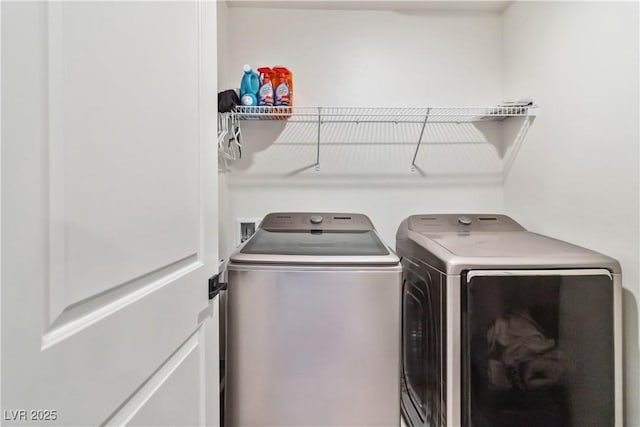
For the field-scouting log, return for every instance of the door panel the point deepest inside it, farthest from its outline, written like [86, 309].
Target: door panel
[145, 216]
[172, 396]
[108, 207]
[541, 349]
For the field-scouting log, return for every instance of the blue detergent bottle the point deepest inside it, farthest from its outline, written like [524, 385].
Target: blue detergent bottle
[249, 87]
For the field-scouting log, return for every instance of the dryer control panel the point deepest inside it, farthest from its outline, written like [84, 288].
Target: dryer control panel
[316, 221]
[441, 223]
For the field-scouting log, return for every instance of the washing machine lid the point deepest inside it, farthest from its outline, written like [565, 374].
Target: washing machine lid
[458, 242]
[315, 238]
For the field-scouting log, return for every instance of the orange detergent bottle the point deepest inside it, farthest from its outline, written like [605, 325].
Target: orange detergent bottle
[283, 86]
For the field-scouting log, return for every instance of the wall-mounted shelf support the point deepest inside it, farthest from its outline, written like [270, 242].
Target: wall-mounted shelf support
[415, 155]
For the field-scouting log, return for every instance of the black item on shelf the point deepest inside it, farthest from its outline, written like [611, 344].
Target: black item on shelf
[227, 100]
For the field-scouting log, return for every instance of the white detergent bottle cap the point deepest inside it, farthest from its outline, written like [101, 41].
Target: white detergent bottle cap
[246, 68]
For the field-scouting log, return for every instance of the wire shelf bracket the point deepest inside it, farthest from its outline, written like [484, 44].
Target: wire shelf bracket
[317, 165]
[415, 155]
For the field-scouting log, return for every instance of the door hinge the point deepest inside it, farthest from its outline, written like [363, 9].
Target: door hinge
[215, 286]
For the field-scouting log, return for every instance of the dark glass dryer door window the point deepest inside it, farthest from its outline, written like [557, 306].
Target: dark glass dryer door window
[539, 349]
[422, 344]
[414, 309]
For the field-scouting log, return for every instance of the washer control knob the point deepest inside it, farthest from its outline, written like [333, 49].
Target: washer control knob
[316, 219]
[464, 220]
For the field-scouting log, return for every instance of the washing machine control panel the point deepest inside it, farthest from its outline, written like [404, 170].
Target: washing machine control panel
[441, 223]
[315, 221]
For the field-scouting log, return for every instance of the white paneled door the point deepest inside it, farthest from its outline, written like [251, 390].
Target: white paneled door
[109, 215]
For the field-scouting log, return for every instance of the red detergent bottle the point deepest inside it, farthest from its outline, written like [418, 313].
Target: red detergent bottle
[266, 92]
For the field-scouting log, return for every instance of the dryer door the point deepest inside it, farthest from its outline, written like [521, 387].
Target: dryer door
[538, 349]
[422, 345]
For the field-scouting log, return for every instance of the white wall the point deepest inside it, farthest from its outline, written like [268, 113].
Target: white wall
[576, 177]
[368, 58]
[361, 57]
[223, 188]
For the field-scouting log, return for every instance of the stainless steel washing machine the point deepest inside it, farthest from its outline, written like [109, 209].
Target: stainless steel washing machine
[506, 328]
[313, 325]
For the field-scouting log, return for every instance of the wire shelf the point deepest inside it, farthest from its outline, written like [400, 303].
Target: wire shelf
[383, 114]
[414, 120]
